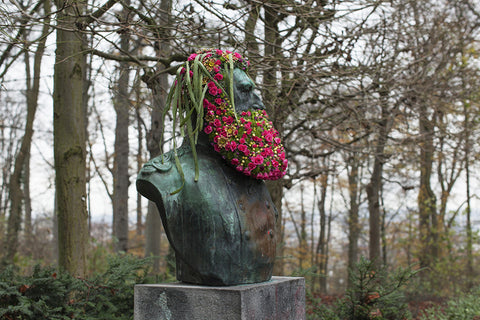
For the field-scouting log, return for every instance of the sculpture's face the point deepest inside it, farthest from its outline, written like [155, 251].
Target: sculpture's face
[242, 134]
[243, 91]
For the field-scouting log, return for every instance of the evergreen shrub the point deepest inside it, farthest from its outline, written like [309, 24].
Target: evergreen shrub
[376, 294]
[465, 307]
[49, 294]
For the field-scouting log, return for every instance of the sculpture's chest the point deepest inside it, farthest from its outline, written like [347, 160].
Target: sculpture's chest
[223, 225]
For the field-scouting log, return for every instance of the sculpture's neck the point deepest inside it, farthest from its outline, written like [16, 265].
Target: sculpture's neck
[202, 142]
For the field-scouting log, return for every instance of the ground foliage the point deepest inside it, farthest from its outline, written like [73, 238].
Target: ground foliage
[47, 293]
[376, 294]
[463, 307]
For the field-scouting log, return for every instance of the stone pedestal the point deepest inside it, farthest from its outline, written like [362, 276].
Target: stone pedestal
[282, 298]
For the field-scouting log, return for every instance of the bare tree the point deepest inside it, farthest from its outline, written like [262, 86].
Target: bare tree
[20, 167]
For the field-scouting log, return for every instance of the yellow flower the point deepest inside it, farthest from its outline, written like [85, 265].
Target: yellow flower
[209, 117]
[229, 131]
[221, 142]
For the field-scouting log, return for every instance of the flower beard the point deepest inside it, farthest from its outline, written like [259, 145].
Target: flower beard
[248, 141]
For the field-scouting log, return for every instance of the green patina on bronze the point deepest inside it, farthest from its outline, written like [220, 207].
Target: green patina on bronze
[221, 227]
[219, 222]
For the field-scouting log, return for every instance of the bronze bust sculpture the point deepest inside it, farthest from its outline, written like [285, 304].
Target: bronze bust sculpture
[215, 208]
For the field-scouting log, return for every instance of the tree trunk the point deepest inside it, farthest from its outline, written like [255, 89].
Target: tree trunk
[303, 232]
[69, 123]
[120, 168]
[353, 220]
[374, 187]
[270, 84]
[469, 248]
[28, 236]
[428, 227]
[321, 252]
[250, 38]
[139, 224]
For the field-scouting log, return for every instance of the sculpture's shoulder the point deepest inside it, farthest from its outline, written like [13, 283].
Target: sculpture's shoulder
[159, 175]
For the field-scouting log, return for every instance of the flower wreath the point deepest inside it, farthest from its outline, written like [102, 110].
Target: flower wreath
[247, 141]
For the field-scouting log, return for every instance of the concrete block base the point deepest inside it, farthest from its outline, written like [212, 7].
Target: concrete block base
[282, 298]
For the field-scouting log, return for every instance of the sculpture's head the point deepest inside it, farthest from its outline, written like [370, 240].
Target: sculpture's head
[215, 86]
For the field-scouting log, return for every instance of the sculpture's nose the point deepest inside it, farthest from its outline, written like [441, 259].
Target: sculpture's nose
[257, 103]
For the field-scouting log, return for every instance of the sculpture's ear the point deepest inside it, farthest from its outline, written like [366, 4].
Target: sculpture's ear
[152, 192]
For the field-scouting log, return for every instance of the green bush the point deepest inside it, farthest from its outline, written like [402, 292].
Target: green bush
[465, 307]
[49, 294]
[376, 294]
[317, 310]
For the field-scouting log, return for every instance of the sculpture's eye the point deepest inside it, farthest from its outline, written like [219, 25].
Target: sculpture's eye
[246, 87]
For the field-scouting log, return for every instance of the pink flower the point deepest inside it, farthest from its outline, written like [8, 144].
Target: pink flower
[243, 148]
[252, 166]
[278, 140]
[233, 145]
[242, 140]
[275, 163]
[206, 103]
[219, 52]
[208, 129]
[235, 161]
[227, 120]
[258, 160]
[192, 57]
[213, 91]
[262, 175]
[218, 76]
[269, 137]
[218, 62]
[183, 70]
[218, 100]
[217, 123]
[237, 55]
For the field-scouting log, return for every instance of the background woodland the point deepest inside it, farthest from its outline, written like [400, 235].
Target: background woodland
[377, 102]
